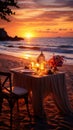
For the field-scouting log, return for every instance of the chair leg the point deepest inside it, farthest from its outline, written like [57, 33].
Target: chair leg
[17, 105]
[11, 113]
[1, 101]
[26, 102]
[11, 104]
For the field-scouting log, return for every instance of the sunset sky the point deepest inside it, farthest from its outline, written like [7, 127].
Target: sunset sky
[41, 18]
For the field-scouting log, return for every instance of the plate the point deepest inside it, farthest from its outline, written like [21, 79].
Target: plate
[17, 69]
[26, 71]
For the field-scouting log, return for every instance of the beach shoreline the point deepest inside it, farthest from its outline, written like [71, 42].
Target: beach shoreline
[8, 62]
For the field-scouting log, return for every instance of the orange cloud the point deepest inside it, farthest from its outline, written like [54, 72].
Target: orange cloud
[42, 17]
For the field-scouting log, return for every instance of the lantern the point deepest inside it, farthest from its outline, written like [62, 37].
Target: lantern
[41, 58]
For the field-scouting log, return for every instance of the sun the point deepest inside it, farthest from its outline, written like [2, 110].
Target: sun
[28, 35]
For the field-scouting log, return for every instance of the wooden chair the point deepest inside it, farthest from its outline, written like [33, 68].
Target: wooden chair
[11, 94]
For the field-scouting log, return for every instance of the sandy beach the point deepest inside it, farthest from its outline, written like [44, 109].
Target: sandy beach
[55, 120]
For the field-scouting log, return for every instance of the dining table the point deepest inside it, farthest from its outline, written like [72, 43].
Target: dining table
[41, 87]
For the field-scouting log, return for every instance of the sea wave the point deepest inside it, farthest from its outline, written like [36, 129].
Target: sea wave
[51, 49]
[61, 46]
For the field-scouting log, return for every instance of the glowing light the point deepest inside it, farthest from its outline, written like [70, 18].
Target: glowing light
[27, 56]
[28, 35]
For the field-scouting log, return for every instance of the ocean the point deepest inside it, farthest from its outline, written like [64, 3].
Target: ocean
[31, 48]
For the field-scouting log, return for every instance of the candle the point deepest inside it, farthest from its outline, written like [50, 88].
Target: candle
[37, 65]
[32, 64]
[42, 66]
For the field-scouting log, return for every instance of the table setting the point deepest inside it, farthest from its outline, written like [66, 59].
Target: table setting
[41, 66]
[42, 77]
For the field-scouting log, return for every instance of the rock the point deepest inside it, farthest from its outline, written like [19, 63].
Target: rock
[5, 37]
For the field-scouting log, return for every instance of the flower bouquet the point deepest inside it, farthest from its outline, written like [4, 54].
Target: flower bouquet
[56, 61]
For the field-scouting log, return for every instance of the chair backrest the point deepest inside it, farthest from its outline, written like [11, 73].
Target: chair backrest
[5, 77]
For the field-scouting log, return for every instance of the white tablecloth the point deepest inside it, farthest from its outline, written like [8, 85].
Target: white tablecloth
[41, 87]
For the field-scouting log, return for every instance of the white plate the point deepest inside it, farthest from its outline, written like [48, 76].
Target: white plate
[17, 69]
[27, 71]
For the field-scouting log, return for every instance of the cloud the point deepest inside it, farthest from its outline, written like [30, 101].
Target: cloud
[27, 4]
[69, 18]
[54, 3]
[46, 11]
[70, 3]
[46, 31]
[65, 3]
[27, 13]
[53, 15]
[40, 15]
[62, 29]
[45, 4]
